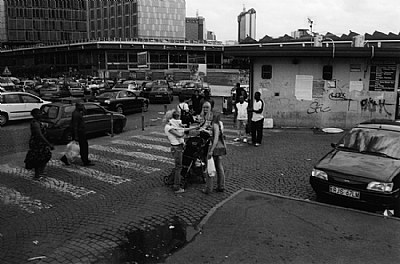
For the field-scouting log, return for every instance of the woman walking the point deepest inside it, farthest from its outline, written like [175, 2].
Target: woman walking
[39, 152]
[212, 125]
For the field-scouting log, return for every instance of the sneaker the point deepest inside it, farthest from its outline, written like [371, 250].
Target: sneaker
[236, 139]
[257, 144]
[220, 189]
[180, 190]
[245, 140]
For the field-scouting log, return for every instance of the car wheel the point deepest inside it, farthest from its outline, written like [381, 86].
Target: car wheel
[120, 110]
[118, 127]
[3, 119]
[67, 136]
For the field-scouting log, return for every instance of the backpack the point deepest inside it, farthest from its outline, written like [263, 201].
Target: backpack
[186, 117]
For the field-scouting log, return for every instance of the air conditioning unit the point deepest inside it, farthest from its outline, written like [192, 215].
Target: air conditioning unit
[318, 40]
[358, 41]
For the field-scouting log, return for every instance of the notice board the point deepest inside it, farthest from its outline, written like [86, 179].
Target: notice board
[382, 77]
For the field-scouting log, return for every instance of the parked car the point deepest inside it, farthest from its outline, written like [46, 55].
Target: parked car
[75, 88]
[97, 119]
[363, 167]
[53, 92]
[122, 100]
[189, 88]
[177, 87]
[128, 85]
[18, 105]
[161, 94]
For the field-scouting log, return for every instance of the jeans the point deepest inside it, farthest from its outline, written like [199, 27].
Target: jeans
[177, 154]
[83, 148]
[257, 131]
[220, 175]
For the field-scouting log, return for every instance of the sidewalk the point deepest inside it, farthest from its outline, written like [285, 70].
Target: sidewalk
[255, 227]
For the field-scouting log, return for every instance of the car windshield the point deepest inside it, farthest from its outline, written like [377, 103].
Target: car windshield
[160, 89]
[372, 141]
[122, 85]
[107, 95]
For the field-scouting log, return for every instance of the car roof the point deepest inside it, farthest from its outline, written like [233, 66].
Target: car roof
[381, 124]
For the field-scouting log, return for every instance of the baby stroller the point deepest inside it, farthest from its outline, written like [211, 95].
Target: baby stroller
[194, 161]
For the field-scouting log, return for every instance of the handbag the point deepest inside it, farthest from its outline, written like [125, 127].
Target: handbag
[220, 148]
[211, 167]
[72, 151]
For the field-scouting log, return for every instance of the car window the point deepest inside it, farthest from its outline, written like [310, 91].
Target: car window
[107, 95]
[50, 111]
[92, 109]
[11, 99]
[68, 111]
[130, 94]
[29, 99]
[122, 94]
[161, 89]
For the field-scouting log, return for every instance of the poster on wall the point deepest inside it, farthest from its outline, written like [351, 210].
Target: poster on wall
[142, 59]
[382, 78]
[356, 86]
[318, 88]
[304, 87]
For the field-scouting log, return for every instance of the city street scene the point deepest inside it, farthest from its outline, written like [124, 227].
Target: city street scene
[161, 132]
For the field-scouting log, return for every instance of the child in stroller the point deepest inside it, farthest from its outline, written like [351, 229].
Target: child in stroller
[194, 160]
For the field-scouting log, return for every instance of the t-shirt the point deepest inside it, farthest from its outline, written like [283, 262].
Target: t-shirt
[257, 106]
[242, 110]
[174, 125]
[182, 106]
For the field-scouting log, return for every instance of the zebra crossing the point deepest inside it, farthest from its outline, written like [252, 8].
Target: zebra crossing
[144, 155]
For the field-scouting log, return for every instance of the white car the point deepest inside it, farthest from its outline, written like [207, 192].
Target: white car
[18, 105]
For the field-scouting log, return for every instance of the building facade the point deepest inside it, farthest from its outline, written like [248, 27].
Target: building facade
[196, 28]
[336, 84]
[144, 19]
[247, 24]
[34, 21]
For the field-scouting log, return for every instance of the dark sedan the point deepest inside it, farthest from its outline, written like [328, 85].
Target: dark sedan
[58, 115]
[363, 167]
[122, 101]
[161, 94]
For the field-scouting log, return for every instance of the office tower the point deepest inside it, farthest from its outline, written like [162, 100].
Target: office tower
[247, 24]
[42, 21]
[196, 28]
[128, 19]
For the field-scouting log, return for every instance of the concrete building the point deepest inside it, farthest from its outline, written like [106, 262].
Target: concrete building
[144, 19]
[30, 21]
[211, 35]
[247, 24]
[196, 28]
[335, 84]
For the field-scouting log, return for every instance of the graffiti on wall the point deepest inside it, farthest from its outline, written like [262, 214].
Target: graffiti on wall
[371, 105]
[316, 107]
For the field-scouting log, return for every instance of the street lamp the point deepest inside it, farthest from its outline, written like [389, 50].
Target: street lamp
[333, 46]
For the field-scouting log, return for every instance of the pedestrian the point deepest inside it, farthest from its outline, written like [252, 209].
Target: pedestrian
[196, 102]
[239, 91]
[183, 110]
[242, 116]
[207, 98]
[212, 125]
[257, 120]
[39, 152]
[175, 133]
[79, 134]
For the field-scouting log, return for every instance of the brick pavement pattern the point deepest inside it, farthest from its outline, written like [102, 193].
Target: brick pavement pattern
[85, 227]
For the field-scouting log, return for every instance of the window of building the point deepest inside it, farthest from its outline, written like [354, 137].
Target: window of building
[327, 72]
[266, 72]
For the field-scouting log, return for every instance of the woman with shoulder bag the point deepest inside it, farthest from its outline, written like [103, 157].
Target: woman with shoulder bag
[217, 147]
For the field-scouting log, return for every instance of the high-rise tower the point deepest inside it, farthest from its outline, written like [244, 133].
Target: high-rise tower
[247, 24]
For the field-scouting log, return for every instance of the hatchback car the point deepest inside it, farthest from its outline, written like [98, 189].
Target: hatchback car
[58, 116]
[18, 105]
[122, 101]
[53, 92]
[363, 167]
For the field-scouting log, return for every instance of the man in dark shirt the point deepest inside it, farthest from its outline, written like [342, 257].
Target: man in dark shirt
[79, 133]
[196, 102]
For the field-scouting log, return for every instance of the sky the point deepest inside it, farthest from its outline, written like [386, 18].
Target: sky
[276, 18]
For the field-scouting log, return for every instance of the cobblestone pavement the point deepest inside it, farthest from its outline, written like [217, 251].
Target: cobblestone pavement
[78, 214]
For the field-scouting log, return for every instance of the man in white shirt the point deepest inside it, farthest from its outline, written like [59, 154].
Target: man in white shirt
[241, 107]
[257, 120]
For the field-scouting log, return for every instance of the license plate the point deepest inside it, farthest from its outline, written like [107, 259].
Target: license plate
[158, 95]
[344, 192]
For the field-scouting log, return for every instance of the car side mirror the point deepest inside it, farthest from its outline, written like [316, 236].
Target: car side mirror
[334, 145]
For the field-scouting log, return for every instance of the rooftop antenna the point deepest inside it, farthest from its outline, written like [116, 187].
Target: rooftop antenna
[311, 24]
[244, 8]
[197, 12]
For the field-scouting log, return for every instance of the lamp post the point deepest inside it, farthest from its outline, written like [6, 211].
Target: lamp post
[333, 46]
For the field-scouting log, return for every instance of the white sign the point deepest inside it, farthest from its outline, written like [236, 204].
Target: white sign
[303, 87]
[356, 86]
[6, 71]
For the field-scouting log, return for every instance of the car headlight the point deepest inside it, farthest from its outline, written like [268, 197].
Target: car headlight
[107, 101]
[319, 174]
[380, 186]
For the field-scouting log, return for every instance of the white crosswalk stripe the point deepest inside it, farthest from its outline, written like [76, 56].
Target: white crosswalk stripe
[141, 145]
[12, 197]
[134, 154]
[161, 140]
[48, 182]
[124, 164]
[98, 175]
